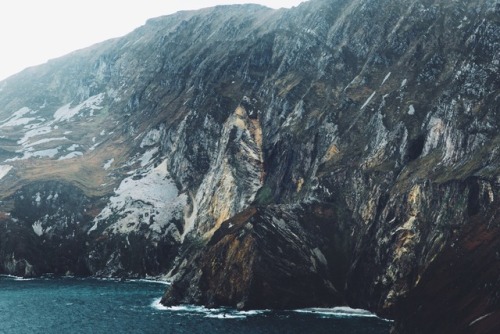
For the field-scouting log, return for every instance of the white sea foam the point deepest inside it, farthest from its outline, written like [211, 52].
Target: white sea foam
[17, 278]
[342, 311]
[159, 306]
[145, 280]
[180, 308]
[225, 316]
[24, 279]
[215, 313]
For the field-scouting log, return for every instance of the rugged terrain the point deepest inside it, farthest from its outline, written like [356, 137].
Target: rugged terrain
[336, 153]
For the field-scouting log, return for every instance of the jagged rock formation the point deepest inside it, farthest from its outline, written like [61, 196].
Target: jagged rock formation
[340, 152]
[267, 257]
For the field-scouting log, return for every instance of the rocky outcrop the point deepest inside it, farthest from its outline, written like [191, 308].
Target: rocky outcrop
[44, 232]
[395, 149]
[457, 268]
[267, 257]
[340, 152]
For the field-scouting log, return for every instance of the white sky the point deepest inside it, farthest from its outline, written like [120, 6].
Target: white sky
[34, 31]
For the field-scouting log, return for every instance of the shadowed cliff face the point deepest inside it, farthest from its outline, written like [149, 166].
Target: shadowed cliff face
[340, 152]
[273, 257]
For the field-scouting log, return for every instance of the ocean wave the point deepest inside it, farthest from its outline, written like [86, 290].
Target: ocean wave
[228, 313]
[147, 280]
[216, 313]
[225, 316]
[342, 311]
[17, 278]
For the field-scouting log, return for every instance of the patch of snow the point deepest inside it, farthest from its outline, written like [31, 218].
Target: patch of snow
[73, 147]
[4, 170]
[65, 113]
[151, 138]
[71, 155]
[150, 198]
[385, 79]
[18, 118]
[108, 163]
[41, 130]
[411, 110]
[93, 147]
[18, 122]
[368, 100]
[403, 83]
[147, 157]
[50, 153]
[37, 228]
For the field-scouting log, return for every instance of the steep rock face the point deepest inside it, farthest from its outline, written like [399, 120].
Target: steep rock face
[335, 153]
[111, 122]
[401, 138]
[457, 268]
[44, 231]
[267, 257]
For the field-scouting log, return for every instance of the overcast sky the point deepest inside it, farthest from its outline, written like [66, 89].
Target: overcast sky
[33, 31]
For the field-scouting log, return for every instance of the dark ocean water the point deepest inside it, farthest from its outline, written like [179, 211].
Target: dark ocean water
[100, 306]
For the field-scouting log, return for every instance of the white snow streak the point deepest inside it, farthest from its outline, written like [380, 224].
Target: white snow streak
[385, 79]
[368, 100]
[480, 318]
[42, 130]
[4, 170]
[45, 140]
[108, 164]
